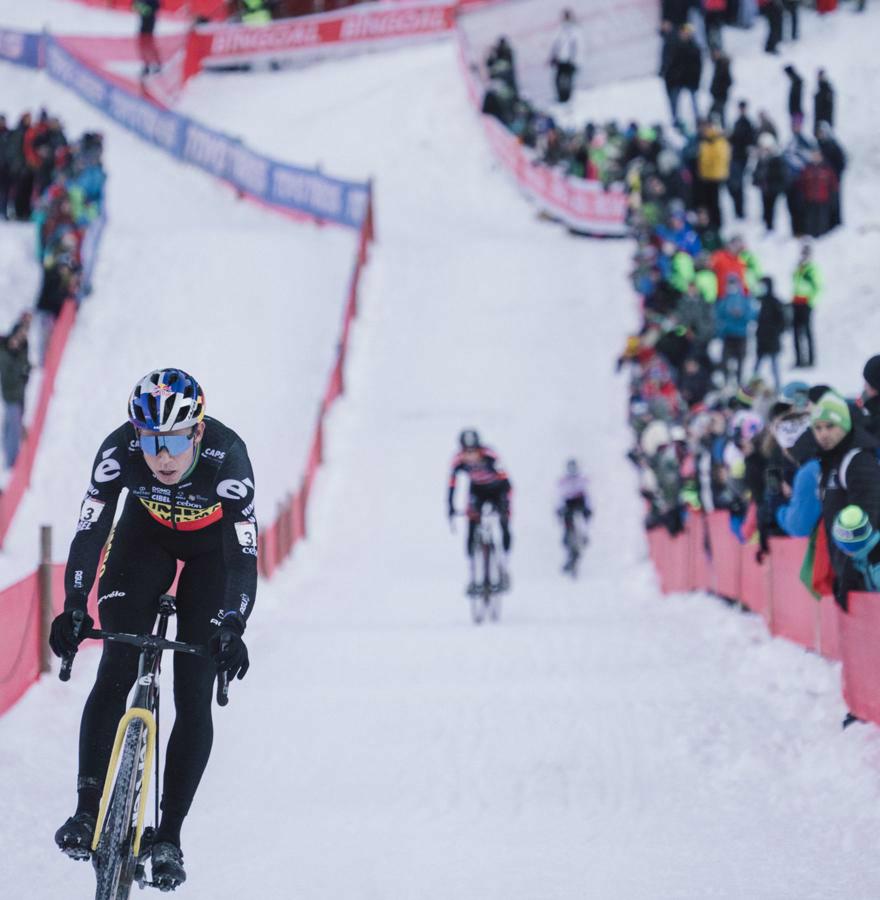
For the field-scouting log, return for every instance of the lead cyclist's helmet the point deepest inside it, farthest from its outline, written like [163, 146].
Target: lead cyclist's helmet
[165, 400]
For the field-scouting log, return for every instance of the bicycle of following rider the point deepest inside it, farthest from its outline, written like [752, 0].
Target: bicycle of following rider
[574, 540]
[121, 845]
[486, 589]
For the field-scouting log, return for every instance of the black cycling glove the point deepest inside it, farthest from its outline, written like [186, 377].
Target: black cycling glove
[227, 647]
[64, 636]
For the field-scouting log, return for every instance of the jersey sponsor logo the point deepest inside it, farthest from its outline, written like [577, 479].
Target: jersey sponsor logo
[89, 512]
[233, 489]
[248, 511]
[185, 519]
[78, 579]
[245, 603]
[247, 534]
[110, 596]
[107, 469]
[134, 444]
[211, 453]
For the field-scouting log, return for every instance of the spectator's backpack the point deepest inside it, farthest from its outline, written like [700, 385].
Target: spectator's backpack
[849, 457]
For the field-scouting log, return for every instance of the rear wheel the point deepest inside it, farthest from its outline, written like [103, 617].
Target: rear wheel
[114, 857]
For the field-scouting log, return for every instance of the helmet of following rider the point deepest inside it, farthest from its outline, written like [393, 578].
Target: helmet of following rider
[166, 400]
[469, 439]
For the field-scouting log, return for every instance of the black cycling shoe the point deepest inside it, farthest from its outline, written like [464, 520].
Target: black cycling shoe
[167, 866]
[74, 837]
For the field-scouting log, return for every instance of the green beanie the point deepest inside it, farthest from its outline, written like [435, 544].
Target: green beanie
[832, 408]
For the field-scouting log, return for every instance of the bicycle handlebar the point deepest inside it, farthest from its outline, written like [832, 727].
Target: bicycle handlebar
[144, 642]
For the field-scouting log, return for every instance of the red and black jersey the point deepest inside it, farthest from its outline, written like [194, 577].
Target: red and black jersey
[484, 472]
[212, 506]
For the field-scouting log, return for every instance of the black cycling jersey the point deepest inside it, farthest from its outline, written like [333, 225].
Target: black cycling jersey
[211, 508]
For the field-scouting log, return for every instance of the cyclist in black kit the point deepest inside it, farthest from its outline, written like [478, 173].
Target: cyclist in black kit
[488, 484]
[190, 498]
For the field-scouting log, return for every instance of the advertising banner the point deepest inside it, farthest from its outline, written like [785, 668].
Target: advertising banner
[302, 191]
[306, 37]
[584, 206]
[20, 48]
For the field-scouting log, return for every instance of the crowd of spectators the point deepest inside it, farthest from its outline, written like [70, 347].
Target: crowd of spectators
[782, 459]
[710, 154]
[58, 185]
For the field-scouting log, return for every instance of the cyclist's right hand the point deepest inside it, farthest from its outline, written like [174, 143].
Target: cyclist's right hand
[64, 635]
[227, 647]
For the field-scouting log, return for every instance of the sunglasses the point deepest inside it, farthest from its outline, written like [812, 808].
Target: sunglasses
[175, 444]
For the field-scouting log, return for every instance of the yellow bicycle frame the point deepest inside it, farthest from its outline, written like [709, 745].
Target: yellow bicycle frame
[150, 723]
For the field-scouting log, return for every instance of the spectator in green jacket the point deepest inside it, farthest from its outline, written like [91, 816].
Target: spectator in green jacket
[806, 286]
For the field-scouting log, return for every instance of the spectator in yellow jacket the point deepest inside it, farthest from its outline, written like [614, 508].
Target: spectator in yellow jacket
[713, 169]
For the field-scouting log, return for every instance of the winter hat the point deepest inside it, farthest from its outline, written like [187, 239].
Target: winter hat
[871, 372]
[797, 393]
[789, 428]
[832, 408]
[853, 532]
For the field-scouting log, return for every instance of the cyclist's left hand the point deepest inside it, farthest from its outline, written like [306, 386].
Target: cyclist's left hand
[229, 649]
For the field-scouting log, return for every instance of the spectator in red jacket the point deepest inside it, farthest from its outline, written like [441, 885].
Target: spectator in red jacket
[818, 186]
[726, 262]
[714, 14]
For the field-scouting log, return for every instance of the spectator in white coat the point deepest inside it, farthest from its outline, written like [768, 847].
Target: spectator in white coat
[564, 56]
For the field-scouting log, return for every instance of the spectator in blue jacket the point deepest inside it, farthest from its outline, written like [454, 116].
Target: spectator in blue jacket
[799, 516]
[733, 314]
[680, 233]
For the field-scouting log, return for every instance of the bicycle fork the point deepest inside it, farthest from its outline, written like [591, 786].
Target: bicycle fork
[145, 763]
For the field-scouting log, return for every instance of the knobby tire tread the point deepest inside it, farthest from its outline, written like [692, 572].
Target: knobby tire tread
[110, 860]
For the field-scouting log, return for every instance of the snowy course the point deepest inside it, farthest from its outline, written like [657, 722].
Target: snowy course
[601, 741]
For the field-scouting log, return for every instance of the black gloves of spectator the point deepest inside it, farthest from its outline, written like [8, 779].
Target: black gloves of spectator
[227, 647]
[64, 636]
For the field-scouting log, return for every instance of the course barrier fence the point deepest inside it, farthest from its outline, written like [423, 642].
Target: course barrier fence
[707, 556]
[585, 207]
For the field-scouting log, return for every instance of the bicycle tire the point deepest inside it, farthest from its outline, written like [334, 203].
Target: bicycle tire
[486, 587]
[114, 857]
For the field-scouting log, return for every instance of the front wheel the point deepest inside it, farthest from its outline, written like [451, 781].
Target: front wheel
[114, 857]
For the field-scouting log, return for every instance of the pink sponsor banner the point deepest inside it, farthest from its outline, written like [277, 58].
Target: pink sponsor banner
[19, 640]
[580, 204]
[859, 640]
[755, 581]
[725, 555]
[584, 206]
[830, 615]
[795, 610]
[120, 61]
[365, 24]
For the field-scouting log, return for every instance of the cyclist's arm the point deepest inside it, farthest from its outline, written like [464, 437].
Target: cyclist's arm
[457, 466]
[235, 488]
[96, 513]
